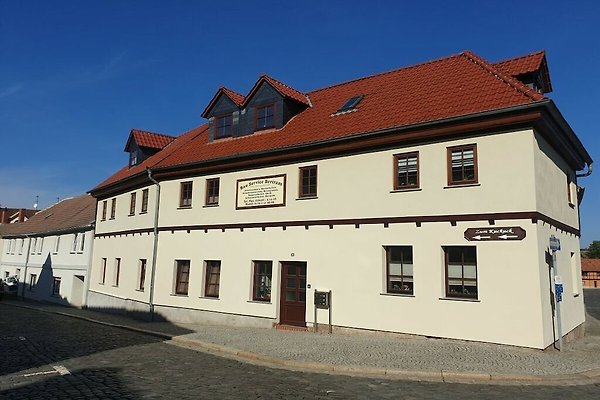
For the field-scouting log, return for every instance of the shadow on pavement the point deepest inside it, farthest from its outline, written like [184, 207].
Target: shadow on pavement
[86, 383]
[31, 338]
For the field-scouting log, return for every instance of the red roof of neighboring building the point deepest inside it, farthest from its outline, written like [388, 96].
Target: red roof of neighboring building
[149, 139]
[67, 214]
[453, 86]
[590, 264]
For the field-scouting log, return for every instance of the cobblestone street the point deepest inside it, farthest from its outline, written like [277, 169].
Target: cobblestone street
[105, 362]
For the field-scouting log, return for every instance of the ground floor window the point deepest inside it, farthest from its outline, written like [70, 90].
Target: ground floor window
[182, 276]
[262, 280]
[142, 278]
[399, 269]
[32, 281]
[461, 271]
[117, 271]
[213, 276]
[56, 286]
[103, 271]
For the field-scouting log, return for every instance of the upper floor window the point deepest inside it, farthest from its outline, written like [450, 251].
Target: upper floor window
[132, 203]
[308, 181]
[104, 207]
[462, 164]
[265, 117]
[56, 245]
[461, 271]
[224, 126]
[144, 201]
[399, 260]
[113, 208]
[82, 243]
[212, 192]
[185, 195]
[406, 171]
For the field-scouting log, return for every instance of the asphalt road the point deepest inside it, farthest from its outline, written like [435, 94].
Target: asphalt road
[112, 363]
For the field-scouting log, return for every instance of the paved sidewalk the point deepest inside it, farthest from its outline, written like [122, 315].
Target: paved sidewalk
[370, 354]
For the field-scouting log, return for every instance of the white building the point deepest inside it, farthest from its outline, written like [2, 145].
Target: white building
[422, 198]
[51, 252]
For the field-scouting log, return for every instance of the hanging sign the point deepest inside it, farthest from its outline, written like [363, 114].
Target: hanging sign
[495, 233]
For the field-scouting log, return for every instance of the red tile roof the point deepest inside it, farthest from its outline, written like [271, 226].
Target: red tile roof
[282, 88]
[237, 98]
[523, 64]
[590, 264]
[454, 86]
[149, 139]
[72, 213]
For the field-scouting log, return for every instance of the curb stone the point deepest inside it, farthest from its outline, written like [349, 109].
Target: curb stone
[582, 378]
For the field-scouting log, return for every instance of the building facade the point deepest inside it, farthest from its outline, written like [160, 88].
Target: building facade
[50, 253]
[590, 272]
[422, 200]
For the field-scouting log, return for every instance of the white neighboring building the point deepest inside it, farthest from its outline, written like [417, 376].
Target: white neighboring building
[51, 252]
[422, 198]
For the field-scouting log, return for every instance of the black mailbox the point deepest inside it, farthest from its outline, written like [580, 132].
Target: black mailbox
[322, 299]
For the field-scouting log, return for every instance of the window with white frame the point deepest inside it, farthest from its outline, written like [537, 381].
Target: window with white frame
[81, 242]
[56, 244]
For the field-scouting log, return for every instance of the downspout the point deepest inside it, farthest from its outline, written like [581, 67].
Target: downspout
[25, 269]
[86, 286]
[155, 245]
[588, 173]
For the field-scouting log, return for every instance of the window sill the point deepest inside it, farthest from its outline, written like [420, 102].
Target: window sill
[103, 219]
[259, 301]
[307, 198]
[461, 299]
[406, 190]
[184, 207]
[461, 185]
[139, 290]
[115, 285]
[179, 295]
[571, 205]
[576, 295]
[210, 205]
[397, 294]
[143, 212]
[209, 298]
[111, 218]
[131, 215]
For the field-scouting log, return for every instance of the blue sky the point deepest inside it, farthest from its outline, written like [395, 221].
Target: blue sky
[76, 76]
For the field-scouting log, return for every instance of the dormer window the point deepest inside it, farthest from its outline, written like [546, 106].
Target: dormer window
[265, 117]
[224, 126]
[350, 104]
[133, 158]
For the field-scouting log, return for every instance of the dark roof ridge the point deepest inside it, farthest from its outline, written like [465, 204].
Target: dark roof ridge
[508, 79]
[385, 73]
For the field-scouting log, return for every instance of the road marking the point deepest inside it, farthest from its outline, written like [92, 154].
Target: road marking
[61, 369]
[58, 369]
[41, 373]
[22, 338]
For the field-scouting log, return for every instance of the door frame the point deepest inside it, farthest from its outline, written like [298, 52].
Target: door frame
[282, 294]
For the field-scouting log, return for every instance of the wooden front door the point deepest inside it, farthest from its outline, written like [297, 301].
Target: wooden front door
[293, 293]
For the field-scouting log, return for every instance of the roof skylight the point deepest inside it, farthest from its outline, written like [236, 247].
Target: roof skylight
[350, 104]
